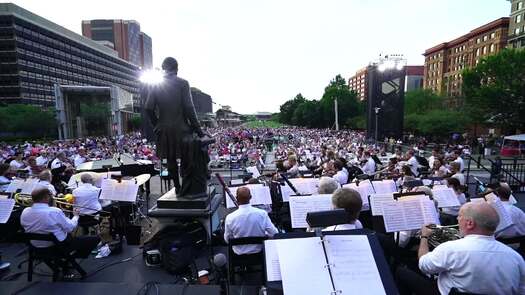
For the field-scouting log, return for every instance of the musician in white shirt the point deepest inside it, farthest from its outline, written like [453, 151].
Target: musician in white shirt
[412, 162]
[327, 185]
[342, 174]
[86, 195]
[455, 170]
[42, 219]
[42, 159]
[44, 181]
[370, 166]
[516, 214]
[80, 157]
[5, 170]
[349, 200]
[247, 221]
[467, 264]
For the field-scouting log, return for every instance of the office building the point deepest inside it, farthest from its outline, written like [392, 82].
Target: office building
[37, 54]
[358, 83]
[517, 24]
[414, 77]
[445, 62]
[124, 36]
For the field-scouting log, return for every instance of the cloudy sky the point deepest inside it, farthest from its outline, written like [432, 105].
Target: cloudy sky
[255, 54]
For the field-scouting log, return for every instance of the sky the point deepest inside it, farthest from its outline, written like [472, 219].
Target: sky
[254, 55]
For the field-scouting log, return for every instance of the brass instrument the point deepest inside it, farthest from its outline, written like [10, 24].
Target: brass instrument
[442, 234]
[64, 203]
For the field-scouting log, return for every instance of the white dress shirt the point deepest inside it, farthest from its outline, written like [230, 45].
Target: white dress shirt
[41, 161]
[56, 164]
[348, 226]
[461, 163]
[4, 183]
[431, 160]
[79, 160]
[369, 167]
[42, 219]
[341, 176]
[86, 195]
[413, 164]
[518, 219]
[476, 264]
[248, 221]
[16, 165]
[460, 177]
[46, 184]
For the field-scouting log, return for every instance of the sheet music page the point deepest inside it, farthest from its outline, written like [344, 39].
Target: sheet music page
[286, 192]
[306, 185]
[376, 201]
[303, 266]
[260, 195]
[6, 207]
[384, 186]
[505, 220]
[365, 189]
[106, 187]
[29, 185]
[413, 197]
[393, 217]
[301, 205]
[430, 213]
[254, 171]
[352, 265]
[15, 185]
[413, 214]
[123, 191]
[273, 268]
[446, 197]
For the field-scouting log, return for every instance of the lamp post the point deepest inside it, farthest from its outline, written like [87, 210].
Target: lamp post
[336, 115]
[376, 109]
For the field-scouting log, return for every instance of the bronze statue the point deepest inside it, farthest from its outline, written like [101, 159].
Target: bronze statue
[179, 136]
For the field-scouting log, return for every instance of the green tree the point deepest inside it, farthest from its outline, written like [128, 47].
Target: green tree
[288, 108]
[495, 90]
[347, 103]
[96, 117]
[421, 101]
[28, 120]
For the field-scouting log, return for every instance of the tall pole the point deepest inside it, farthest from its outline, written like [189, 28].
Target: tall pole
[377, 117]
[336, 115]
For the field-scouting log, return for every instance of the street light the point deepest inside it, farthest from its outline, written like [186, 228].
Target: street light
[376, 109]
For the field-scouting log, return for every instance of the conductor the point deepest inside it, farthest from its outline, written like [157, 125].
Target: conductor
[179, 135]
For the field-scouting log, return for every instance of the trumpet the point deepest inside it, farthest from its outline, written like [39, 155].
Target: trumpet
[67, 204]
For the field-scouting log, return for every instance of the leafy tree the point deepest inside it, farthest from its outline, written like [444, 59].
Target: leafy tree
[135, 122]
[347, 103]
[288, 109]
[495, 90]
[96, 117]
[28, 120]
[421, 101]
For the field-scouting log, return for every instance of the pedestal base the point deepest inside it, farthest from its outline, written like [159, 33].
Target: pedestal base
[171, 201]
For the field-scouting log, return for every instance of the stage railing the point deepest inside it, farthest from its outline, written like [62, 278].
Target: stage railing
[511, 171]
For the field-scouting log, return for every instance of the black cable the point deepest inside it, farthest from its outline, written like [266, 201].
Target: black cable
[112, 264]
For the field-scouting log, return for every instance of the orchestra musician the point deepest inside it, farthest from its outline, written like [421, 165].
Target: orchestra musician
[86, 197]
[247, 221]
[369, 167]
[349, 200]
[5, 176]
[463, 264]
[516, 214]
[44, 180]
[42, 219]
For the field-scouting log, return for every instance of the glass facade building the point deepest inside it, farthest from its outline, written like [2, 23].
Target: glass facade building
[36, 55]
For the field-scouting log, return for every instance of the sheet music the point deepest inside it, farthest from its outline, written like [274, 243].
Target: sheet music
[301, 205]
[306, 185]
[505, 219]
[29, 185]
[376, 202]
[446, 197]
[15, 185]
[365, 189]
[384, 186]
[409, 214]
[125, 191]
[303, 266]
[352, 264]
[254, 171]
[286, 192]
[260, 195]
[273, 268]
[6, 207]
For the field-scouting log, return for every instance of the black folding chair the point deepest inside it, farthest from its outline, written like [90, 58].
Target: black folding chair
[245, 263]
[56, 257]
[455, 291]
[515, 240]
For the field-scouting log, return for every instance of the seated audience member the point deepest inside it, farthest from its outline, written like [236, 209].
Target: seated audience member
[341, 174]
[5, 176]
[349, 200]
[516, 214]
[449, 214]
[439, 169]
[80, 158]
[33, 168]
[44, 181]
[467, 264]
[456, 156]
[42, 159]
[412, 162]
[327, 185]
[18, 163]
[40, 218]
[455, 170]
[247, 221]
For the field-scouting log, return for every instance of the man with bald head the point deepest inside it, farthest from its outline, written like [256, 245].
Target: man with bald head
[247, 221]
[516, 214]
[86, 195]
[477, 263]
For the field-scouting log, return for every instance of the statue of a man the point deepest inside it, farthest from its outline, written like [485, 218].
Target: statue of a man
[179, 135]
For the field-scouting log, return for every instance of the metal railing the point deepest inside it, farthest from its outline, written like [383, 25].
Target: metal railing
[511, 171]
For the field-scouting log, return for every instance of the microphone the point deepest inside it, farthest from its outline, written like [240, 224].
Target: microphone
[219, 263]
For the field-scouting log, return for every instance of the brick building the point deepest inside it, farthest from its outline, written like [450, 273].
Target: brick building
[445, 62]
[517, 24]
[359, 83]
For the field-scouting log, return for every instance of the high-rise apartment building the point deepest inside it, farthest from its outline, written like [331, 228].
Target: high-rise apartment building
[359, 84]
[517, 24]
[124, 36]
[445, 62]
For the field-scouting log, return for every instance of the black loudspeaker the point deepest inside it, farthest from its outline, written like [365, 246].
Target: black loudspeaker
[386, 91]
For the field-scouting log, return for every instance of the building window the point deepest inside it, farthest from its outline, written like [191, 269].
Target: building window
[492, 47]
[484, 49]
[477, 52]
[485, 38]
[478, 40]
[492, 35]
[520, 5]
[518, 18]
[517, 31]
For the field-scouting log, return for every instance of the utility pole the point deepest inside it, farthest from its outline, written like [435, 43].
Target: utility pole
[377, 117]
[336, 115]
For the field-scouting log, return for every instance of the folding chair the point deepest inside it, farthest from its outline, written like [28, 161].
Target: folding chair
[244, 264]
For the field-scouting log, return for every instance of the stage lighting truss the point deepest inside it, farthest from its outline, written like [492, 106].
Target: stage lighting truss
[390, 62]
